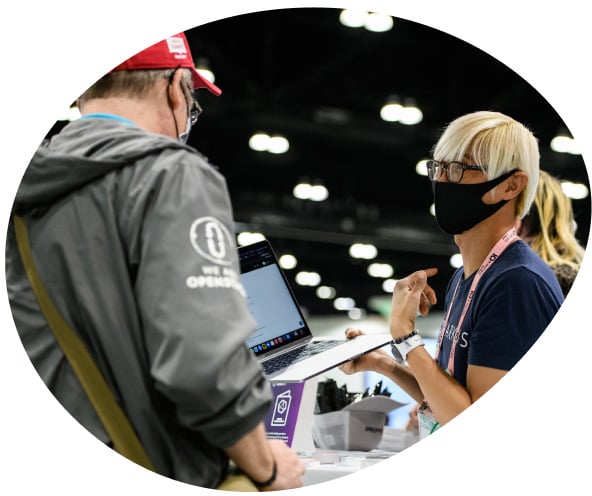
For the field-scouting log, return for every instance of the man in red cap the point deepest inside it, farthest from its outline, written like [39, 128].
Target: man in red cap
[131, 231]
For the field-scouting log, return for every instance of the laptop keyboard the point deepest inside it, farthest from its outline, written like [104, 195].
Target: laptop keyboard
[296, 355]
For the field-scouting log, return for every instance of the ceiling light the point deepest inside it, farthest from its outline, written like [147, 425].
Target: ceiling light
[407, 113]
[304, 278]
[306, 191]
[352, 18]
[382, 270]
[262, 142]
[364, 251]
[318, 192]
[564, 144]
[410, 116]
[202, 66]
[356, 313]
[326, 292]
[259, 142]
[372, 21]
[378, 23]
[278, 145]
[287, 261]
[421, 167]
[344, 303]
[388, 285]
[391, 112]
[247, 238]
[575, 191]
[456, 260]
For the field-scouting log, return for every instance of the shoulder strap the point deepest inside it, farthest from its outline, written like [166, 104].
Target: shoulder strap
[114, 420]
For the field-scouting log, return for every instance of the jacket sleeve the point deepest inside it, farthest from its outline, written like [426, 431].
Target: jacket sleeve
[193, 308]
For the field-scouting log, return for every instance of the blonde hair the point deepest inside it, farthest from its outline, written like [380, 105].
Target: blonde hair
[495, 142]
[551, 227]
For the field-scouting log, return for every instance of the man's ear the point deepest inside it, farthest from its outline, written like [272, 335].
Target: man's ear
[175, 91]
[513, 186]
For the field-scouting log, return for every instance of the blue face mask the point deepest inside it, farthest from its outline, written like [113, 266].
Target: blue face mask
[459, 207]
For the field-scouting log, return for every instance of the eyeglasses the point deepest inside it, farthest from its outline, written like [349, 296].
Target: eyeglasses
[454, 170]
[195, 109]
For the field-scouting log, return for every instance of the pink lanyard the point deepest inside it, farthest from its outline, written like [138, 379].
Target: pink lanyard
[495, 252]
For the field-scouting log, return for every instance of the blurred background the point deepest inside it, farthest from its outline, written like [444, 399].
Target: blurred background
[322, 131]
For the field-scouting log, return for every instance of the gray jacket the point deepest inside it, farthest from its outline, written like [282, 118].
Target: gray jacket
[133, 237]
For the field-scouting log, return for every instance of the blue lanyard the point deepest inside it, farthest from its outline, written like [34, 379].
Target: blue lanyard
[108, 116]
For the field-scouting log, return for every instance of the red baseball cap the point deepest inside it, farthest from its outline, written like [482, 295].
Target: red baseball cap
[169, 53]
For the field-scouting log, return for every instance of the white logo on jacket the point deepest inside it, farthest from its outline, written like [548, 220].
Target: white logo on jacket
[211, 240]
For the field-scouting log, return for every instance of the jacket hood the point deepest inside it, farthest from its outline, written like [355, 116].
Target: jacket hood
[85, 150]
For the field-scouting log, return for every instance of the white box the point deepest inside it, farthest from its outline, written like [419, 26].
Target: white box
[357, 427]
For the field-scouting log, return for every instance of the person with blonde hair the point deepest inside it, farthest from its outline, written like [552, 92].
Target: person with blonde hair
[484, 177]
[550, 230]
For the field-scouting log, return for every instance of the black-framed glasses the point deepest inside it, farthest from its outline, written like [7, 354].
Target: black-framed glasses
[454, 170]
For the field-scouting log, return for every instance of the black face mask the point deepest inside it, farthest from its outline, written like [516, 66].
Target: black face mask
[460, 207]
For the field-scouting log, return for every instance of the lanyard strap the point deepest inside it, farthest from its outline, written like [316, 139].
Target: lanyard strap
[493, 255]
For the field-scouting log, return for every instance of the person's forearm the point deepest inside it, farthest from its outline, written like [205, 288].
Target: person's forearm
[401, 375]
[445, 396]
[253, 455]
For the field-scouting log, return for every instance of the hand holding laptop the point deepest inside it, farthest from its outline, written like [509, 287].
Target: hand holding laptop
[368, 362]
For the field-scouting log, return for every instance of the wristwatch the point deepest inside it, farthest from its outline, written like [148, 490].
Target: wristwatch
[401, 347]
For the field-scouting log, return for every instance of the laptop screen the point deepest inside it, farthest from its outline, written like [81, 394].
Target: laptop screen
[271, 301]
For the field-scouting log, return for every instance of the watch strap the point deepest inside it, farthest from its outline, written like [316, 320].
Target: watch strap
[400, 348]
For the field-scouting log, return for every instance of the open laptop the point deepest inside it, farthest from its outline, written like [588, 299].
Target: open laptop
[285, 345]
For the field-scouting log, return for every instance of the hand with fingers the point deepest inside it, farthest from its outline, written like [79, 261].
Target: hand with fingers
[370, 361]
[412, 295]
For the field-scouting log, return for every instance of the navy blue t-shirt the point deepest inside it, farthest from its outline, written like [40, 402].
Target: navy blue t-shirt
[513, 304]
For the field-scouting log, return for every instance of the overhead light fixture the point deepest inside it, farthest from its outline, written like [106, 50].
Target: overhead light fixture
[314, 192]
[326, 292]
[372, 21]
[344, 303]
[364, 251]
[247, 238]
[356, 313]
[407, 113]
[456, 261]
[305, 278]
[380, 270]
[202, 65]
[564, 144]
[388, 285]
[575, 191]
[422, 167]
[263, 142]
[287, 261]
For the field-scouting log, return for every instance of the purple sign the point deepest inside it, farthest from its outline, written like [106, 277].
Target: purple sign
[280, 421]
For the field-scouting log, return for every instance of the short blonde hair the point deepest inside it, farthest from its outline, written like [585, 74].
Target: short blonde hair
[497, 142]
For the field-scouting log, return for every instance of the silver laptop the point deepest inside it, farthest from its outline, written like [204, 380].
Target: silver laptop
[286, 347]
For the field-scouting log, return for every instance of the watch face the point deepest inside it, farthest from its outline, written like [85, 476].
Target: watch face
[397, 354]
